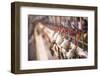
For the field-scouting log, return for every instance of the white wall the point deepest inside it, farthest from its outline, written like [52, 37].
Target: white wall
[5, 42]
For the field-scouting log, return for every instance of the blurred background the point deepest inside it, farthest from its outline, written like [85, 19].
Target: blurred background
[67, 35]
